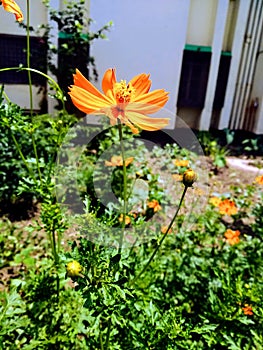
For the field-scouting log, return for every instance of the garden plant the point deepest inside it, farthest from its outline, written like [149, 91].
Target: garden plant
[121, 243]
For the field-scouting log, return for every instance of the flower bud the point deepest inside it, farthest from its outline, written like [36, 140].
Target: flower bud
[189, 177]
[73, 268]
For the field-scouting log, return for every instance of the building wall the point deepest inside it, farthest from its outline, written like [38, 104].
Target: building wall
[151, 36]
[19, 94]
[146, 37]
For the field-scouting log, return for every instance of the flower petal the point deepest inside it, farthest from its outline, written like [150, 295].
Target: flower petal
[88, 102]
[11, 6]
[155, 97]
[141, 83]
[146, 123]
[108, 81]
[82, 82]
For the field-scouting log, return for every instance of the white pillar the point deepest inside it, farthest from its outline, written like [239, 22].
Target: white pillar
[221, 16]
[259, 123]
[238, 41]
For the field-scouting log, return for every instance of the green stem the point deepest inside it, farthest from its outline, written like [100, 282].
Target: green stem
[108, 335]
[28, 56]
[6, 97]
[53, 83]
[101, 342]
[163, 237]
[124, 210]
[22, 157]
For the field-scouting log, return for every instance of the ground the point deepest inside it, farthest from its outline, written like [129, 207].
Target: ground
[239, 172]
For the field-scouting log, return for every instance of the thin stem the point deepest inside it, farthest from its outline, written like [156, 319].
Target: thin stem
[53, 83]
[108, 335]
[163, 237]
[6, 97]
[28, 56]
[124, 210]
[22, 157]
[101, 342]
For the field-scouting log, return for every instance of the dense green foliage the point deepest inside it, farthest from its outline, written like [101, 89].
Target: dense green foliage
[199, 292]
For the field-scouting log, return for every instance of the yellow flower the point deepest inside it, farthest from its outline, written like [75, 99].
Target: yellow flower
[232, 237]
[259, 180]
[227, 207]
[154, 204]
[181, 162]
[129, 103]
[117, 161]
[215, 201]
[73, 268]
[127, 219]
[11, 6]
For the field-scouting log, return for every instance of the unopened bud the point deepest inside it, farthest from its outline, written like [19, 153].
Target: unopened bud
[189, 177]
[73, 268]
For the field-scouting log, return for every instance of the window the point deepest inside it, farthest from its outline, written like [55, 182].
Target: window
[13, 54]
[194, 76]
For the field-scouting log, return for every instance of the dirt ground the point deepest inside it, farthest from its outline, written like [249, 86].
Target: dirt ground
[238, 172]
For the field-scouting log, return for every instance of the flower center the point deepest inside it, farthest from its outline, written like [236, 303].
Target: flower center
[123, 92]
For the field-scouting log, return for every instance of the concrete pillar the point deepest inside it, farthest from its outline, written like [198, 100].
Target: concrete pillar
[238, 41]
[219, 30]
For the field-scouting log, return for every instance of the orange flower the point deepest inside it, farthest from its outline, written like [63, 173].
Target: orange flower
[129, 103]
[227, 207]
[11, 6]
[164, 229]
[259, 180]
[215, 201]
[117, 161]
[154, 204]
[199, 191]
[127, 219]
[177, 177]
[247, 309]
[232, 237]
[181, 162]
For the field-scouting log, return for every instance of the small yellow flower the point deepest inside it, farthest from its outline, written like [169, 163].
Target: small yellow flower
[117, 161]
[232, 237]
[181, 162]
[259, 180]
[154, 204]
[215, 201]
[127, 219]
[73, 268]
[189, 177]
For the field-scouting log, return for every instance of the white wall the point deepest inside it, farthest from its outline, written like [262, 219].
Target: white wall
[19, 94]
[147, 37]
[8, 25]
[201, 22]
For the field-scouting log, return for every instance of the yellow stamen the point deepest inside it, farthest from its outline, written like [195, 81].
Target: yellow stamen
[123, 92]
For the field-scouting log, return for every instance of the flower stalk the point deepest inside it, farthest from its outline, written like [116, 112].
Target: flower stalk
[124, 210]
[162, 239]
